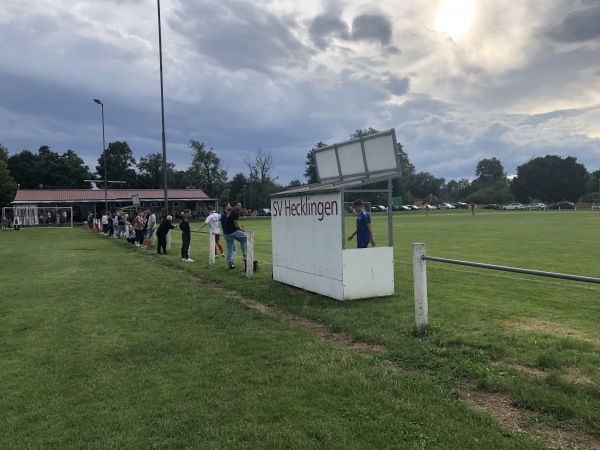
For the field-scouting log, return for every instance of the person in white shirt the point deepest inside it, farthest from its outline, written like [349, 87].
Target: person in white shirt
[150, 227]
[212, 221]
[104, 222]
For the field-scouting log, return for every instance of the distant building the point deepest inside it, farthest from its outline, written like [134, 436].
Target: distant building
[84, 200]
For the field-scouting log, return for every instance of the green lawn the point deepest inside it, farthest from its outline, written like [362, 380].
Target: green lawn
[105, 346]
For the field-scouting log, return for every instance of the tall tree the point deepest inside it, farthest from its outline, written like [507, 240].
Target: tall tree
[8, 186]
[423, 184]
[206, 171]
[260, 166]
[120, 163]
[151, 171]
[457, 190]
[362, 133]
[293, 184]
[405, 165]
[48, 169]
[179, 179]
[490, 171]
[3, 153]
[311, 166]
[262, 184]
[23, 168]
[593, 187]
[550, 179]
[74, 172]
[237, 185]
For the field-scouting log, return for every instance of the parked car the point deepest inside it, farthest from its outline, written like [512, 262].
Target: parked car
[382, 208]
[414, 207]
[491, 206]
[445, 206]
[402, 208]
[375, 208]
[513, 207]
[460, 205]
[562, 205]
[264, 212]
[536, 206]
[430, 207]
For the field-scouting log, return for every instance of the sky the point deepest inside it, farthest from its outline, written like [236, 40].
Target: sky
[458, 80]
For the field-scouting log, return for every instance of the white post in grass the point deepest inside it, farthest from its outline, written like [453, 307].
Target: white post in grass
[249, 254]
[211, 248]
[420, 288]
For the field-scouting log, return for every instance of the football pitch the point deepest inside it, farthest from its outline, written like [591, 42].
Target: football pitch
[107, 345]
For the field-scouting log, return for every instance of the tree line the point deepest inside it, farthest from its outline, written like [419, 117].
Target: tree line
[547, 179]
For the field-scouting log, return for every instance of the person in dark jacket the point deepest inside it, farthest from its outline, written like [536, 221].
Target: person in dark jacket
[161, 234]
[186, 236]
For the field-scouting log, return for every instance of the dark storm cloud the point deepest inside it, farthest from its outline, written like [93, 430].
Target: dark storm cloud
[372, 27]
[398, 86]
[323, 27]
[238, 35]
[366, 27]
[578, 26]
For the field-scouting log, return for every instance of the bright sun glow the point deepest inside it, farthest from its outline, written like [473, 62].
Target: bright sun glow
[454, 17]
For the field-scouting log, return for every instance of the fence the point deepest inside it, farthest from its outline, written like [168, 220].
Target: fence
[249, 252]
[420, 278]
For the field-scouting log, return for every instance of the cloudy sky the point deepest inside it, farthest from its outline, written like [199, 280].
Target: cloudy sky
[459, 80]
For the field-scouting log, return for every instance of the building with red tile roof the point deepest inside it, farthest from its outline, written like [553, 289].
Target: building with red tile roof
[84, 200]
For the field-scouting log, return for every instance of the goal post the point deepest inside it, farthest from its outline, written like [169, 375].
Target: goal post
[40, 216]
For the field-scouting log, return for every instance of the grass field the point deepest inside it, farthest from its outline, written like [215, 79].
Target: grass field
[108, 346]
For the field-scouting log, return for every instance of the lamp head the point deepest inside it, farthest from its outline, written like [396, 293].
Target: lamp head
[99, 101]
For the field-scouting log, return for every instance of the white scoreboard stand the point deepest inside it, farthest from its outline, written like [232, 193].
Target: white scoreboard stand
[308, 227]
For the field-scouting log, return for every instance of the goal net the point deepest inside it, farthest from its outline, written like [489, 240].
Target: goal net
[38, 216]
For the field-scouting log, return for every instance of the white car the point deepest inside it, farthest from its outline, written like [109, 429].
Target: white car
[445, 206]
[382, 208]
[538, 206]
[514, 206]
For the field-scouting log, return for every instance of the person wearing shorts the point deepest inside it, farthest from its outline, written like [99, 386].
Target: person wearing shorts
[212, 221]
[150, 227]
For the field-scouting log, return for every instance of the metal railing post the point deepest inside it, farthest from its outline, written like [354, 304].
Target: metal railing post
[420, 286]
[211, 248]
[249, 254]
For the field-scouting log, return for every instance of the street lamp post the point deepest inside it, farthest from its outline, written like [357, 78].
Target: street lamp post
[245, 197]
[104, 157]
[162, 105]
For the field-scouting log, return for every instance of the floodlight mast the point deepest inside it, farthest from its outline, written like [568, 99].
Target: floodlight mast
[162, 106]
[103, 156]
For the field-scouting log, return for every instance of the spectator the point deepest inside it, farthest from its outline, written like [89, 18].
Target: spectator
[232, 231]
[186, 236]
[213, 221]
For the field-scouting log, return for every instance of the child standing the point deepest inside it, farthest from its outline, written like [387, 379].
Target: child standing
[186, 236]
[213, 221]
